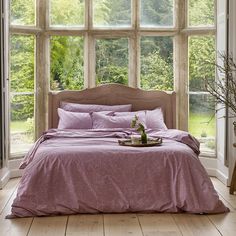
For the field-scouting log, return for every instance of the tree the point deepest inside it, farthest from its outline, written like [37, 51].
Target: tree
[111, 55]
[67, 63]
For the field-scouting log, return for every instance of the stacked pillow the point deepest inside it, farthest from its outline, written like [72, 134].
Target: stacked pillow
[78, 116]
[91, 116]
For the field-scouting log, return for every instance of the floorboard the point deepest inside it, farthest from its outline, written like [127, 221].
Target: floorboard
[224, 192]
[91, 225]
[13, 227]
[48, 226]
[6, 192]
[158, 224]
[119, 224]
[225, 223]
[191, 225]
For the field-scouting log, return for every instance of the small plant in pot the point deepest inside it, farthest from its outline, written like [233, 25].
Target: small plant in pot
[140, 128]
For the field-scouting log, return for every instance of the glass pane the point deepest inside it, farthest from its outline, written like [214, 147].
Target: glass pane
[157, 13]
[67, 12]
[67, 63]
[202, 54]
[22, 63]
[22, 123]
[112, 13]
[201, 12]
[112, 61]
[22, 12]
[202, 120]
[157, 63]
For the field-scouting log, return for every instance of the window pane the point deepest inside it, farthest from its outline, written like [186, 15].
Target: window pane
[67, 12]
[22, 12]
[112, 13]
[202, 55]
[67, 63]
[201, 12]
[202, 107]
[22, 59]
[112, 61]
[157, 63]
[157, 13]
[202, 120]
[22, 63]
[22, 123]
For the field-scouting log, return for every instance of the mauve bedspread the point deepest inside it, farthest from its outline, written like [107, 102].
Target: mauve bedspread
[86, 171]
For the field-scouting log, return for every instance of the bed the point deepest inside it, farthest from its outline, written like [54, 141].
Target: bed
[72, 171]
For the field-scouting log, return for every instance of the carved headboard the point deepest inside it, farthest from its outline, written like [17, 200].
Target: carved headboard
[116, 94]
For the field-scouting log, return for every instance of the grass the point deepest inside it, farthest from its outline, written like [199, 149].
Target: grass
[198, 125]
[18, 126]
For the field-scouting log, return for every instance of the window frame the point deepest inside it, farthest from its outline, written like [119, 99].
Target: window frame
[180, 33]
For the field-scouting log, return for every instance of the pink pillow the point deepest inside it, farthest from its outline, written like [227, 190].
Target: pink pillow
[74, 120]
[101, 121]
[155, 119]
[131, 113]
[87, 108]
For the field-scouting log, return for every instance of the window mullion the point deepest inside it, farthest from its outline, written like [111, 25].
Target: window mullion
[134, 55]
[90, 57]
[181, 66]
[41, 73]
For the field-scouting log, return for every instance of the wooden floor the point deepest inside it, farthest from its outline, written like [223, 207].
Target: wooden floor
[119, 224]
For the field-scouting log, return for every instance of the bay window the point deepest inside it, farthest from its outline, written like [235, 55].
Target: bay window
[76, 44]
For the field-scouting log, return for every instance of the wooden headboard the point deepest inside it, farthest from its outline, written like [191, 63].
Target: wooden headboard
[116, 94]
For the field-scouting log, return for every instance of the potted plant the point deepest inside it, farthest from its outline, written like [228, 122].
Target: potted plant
[140, 128]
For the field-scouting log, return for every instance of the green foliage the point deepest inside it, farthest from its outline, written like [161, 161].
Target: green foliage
[23, 12]
[22, 76]
[67, 12]
[22, 63]
[201, 12]
[22, 107]
[112, 61]
[155, 12]
[156, 72]
[211, 144]
[30, 125]
[157, 63]
[112, 55]
[140, 128]
[67, 71]
[201, 61]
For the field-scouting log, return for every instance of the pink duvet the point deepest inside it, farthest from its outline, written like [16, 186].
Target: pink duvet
[86, 171]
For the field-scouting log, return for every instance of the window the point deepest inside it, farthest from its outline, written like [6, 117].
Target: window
[22, 92]
[67, 13]
[76, 44]
[157, 59]
[23, 12]
[112, 61]
[157, 13]
[201, 13]
[67, 63]
[112, 13]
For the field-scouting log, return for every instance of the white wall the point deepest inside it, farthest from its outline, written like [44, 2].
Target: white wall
[232, 49]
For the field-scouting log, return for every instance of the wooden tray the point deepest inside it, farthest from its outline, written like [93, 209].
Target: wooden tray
[150, 143]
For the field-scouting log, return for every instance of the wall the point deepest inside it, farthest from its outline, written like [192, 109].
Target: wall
[232, 50]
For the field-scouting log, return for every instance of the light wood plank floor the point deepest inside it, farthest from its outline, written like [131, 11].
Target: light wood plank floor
[119, 224]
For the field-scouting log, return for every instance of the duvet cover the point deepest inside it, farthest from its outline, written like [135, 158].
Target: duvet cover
[87, 171]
